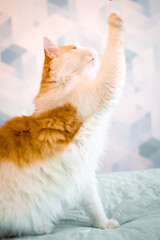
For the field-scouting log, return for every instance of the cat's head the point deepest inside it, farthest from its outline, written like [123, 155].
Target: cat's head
[64, 70]
[69, 60]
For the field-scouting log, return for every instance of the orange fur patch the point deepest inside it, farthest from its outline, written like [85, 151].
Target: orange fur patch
[61, 49]
[27, 139]
[64, 49]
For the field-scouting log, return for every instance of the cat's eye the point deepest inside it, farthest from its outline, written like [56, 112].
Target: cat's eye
[74, 47]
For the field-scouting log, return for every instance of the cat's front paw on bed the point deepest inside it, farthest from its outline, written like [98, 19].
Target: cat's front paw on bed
[112, 223]
[115, 20]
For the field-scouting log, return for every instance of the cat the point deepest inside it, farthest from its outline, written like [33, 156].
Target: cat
[48, 160]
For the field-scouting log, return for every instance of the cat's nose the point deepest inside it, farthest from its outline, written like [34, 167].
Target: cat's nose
[90, 54]
[93, 55]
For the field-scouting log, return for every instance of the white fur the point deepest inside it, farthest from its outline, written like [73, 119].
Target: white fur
[39, 195]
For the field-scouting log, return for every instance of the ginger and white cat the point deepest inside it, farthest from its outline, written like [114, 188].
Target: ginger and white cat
[48, 160]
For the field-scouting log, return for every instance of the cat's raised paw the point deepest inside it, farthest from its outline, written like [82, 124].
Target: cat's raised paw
[112, 223]
[115, 20]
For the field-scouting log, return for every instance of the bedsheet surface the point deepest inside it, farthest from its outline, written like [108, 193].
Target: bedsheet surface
[133, 198]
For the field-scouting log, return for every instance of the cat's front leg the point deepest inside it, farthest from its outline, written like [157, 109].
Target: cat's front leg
[94, 208]
[111, 75]
[104, 92]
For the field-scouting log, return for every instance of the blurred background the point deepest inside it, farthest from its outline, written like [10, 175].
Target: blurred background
[134, 135]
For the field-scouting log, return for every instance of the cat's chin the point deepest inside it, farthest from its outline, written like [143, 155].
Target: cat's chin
[90, 71]
[92, 67]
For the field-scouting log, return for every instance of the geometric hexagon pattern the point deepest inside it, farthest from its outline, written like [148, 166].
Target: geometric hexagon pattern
[134, 135]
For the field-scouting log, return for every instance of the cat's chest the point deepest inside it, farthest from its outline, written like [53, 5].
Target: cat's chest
[90, 139]
[85, 150]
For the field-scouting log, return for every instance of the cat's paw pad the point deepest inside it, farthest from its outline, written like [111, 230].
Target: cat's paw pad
[115, 20]
[112, 223]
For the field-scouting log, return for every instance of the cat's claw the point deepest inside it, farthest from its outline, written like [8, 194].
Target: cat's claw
[115, 20]
[112, 223]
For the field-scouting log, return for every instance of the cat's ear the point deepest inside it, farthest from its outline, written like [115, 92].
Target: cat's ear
[49, 48]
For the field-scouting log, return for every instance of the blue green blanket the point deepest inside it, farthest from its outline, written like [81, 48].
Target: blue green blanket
[133, 198]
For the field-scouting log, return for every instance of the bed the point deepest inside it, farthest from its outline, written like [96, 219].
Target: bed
[133, 198]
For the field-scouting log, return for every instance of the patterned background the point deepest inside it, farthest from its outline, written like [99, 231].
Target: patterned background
[134, 138]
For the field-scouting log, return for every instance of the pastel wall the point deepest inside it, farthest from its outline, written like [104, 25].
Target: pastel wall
[134, 137]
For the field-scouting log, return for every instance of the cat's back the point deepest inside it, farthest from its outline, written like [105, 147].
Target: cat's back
[28, 139]
[10, 135]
